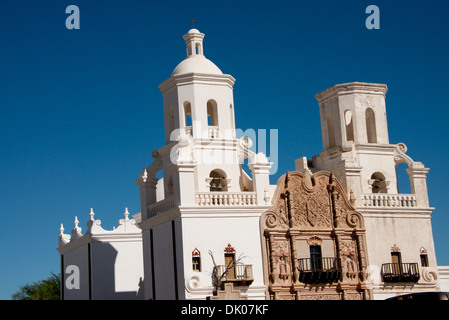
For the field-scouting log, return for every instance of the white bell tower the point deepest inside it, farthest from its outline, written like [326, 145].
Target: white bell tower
[356, 145]
[199, 113]
[357, 150]
[198, 97]
[206, 202]
[353, 112]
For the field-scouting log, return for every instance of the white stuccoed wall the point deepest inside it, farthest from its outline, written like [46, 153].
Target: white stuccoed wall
[115, 261]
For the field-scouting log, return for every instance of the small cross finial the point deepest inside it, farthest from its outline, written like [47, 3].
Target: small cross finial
[193, 22]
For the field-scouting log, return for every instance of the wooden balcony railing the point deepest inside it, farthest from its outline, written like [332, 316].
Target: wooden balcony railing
[319, 270]
[400, 272]
[242, 274]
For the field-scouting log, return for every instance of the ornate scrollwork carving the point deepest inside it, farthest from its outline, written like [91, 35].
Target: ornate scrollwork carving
[271, 219]
[400, 155]
[312, 211]
[429, 274]
[192, 282]
[402, 147]
[353, 219]
[314, 241]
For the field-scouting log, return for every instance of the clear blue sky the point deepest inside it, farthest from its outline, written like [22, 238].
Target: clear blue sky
[81, 110]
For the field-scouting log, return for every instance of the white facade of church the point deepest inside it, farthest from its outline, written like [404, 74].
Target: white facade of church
[200, 225]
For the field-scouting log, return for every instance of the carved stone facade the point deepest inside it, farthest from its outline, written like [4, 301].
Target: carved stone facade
[314, 241]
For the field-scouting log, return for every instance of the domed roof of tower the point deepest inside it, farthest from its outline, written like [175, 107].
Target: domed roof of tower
[194, 31]
[195, 62]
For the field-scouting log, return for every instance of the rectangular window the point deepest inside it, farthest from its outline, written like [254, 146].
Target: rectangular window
[315, 258]
[424, 260]
[230, 265]
[396, 257]
[396, 265]
[196, 264]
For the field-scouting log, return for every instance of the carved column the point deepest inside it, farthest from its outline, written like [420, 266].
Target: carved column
[274, 274]
[294, 257]
[367, 292]
[361, 253]
[338, 234]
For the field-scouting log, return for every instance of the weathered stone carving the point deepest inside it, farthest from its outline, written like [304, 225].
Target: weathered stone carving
[320, 296]
[348, 254]
[429, 274]
[281, 264]
[314, 241]
[310, 209]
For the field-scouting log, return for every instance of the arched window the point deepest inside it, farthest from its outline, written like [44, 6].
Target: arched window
[349, 126]
[212, 115]
[378, 183]
[218, 181]
[371, 126]
[330, 131]
[198, 48]
[188, 117]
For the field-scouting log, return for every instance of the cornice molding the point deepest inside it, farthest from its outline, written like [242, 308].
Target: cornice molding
[196, 78]
[351, 88]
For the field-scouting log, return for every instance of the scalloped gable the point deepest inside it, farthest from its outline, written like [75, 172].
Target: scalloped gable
[126, 226]
[317, 201]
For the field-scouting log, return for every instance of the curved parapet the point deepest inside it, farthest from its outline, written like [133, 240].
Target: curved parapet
[95, 230]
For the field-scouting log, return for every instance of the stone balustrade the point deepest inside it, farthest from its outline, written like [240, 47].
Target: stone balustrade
[384, 200]
[160, 207]
[213, 132]
[216, 199]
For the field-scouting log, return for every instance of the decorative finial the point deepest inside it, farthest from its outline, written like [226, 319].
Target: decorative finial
[76, 222]
[193, 22]
[91, 214]
[61, 230]
[126, 214]
[145, 175]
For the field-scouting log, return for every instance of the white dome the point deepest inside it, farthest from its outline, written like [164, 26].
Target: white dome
[196, 64]
[194, 31]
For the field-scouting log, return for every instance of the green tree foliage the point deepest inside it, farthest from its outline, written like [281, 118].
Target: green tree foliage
[47, 289]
